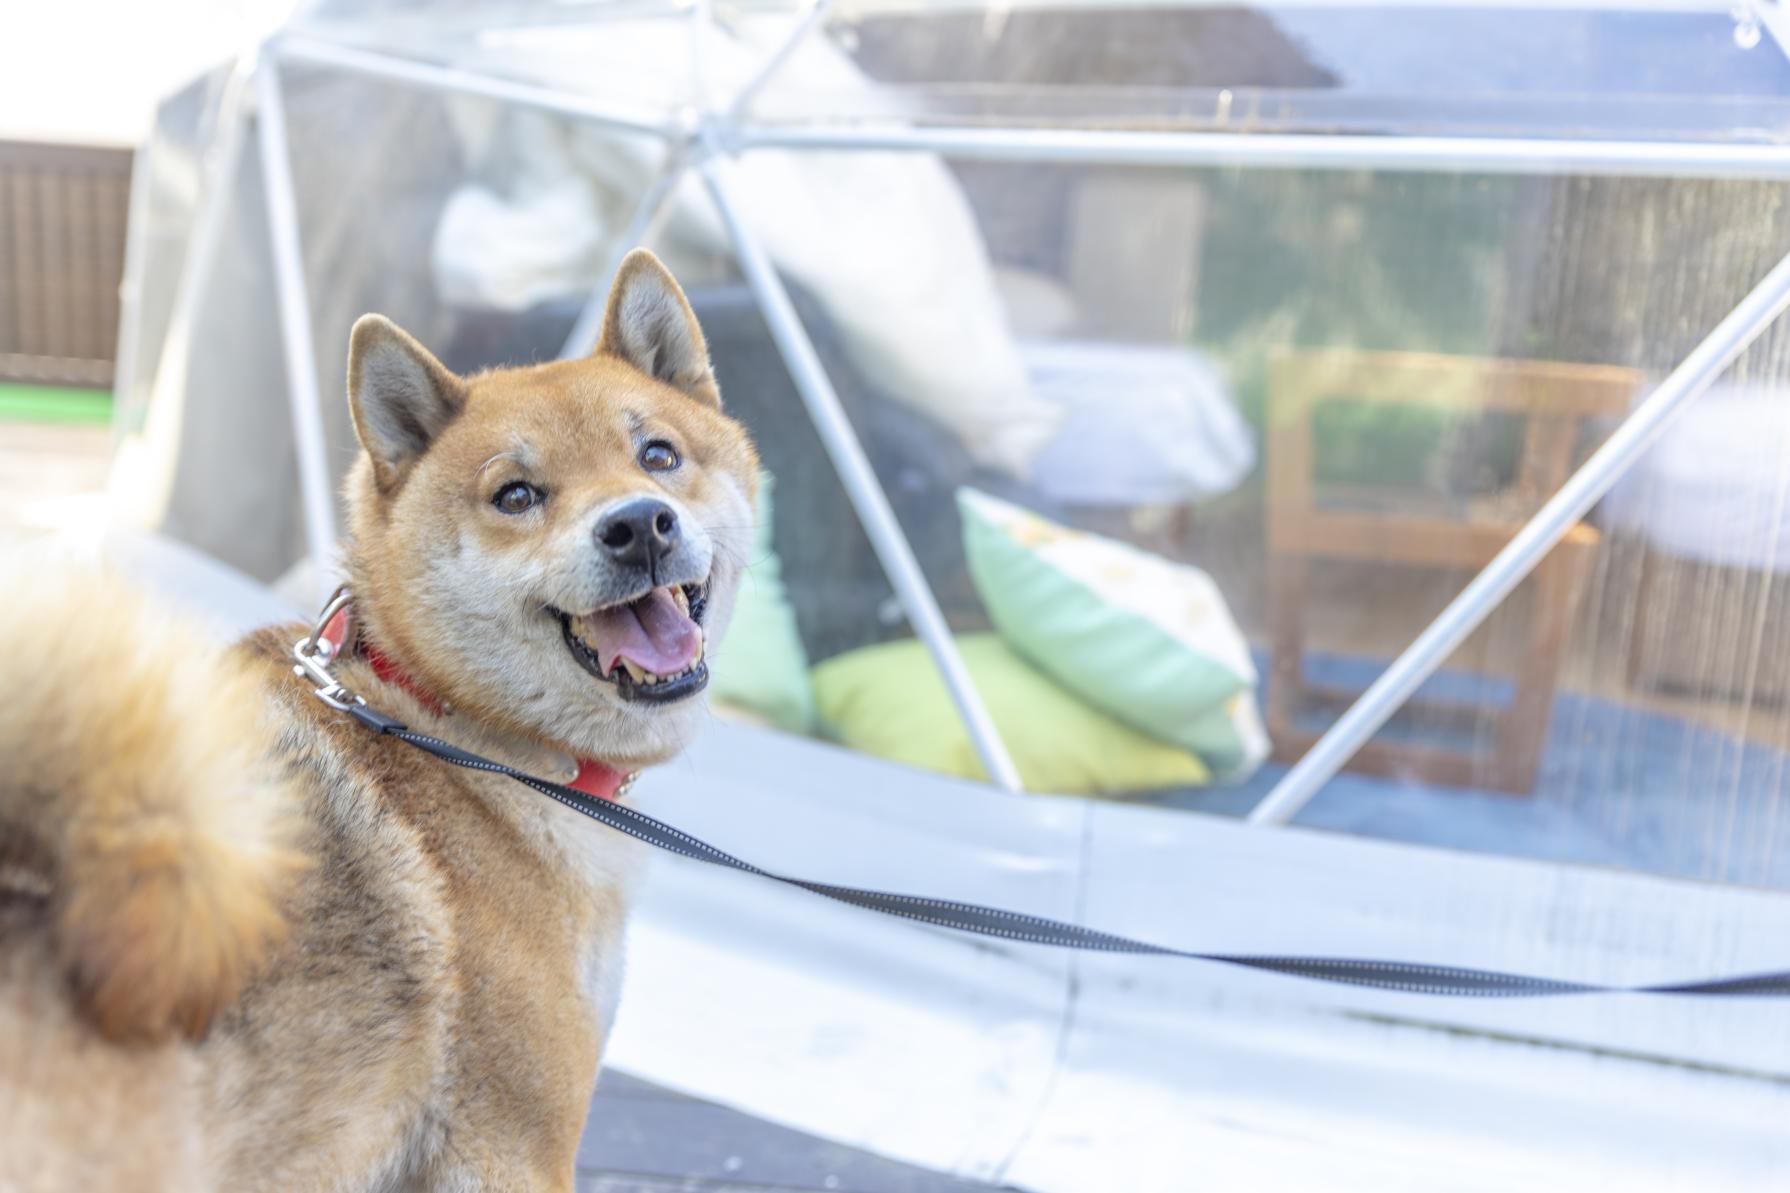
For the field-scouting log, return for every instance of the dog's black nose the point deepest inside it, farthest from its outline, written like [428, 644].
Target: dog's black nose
[640, 533]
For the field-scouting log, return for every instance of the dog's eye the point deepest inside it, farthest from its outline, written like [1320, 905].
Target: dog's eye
[659, 456]
[516, 497]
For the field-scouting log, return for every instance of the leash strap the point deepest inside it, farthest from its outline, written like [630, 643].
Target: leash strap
[1407, 977]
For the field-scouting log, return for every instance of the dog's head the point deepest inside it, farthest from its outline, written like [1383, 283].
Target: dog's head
[555, 549]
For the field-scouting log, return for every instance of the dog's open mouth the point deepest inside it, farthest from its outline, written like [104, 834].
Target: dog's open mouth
[650, 648]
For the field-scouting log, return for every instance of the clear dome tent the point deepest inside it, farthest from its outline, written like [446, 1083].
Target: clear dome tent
[1427, 361]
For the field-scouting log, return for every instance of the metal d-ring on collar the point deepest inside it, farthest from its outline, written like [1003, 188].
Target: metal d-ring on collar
[316, 656]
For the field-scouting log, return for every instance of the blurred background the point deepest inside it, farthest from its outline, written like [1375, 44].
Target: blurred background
[1203, 354]
[79, 87]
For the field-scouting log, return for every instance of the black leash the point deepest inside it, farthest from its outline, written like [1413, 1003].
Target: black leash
[1012, 925]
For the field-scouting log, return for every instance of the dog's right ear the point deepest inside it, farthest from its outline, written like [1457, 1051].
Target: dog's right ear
[400, 396]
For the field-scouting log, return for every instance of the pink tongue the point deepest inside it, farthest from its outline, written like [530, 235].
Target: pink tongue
[652, 632]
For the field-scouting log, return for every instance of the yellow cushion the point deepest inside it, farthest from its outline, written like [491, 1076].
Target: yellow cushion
[889, 701]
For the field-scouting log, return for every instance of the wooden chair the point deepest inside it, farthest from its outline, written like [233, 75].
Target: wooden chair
[1552, 400]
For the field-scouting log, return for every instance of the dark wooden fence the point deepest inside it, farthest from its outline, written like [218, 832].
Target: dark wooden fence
[62, 229]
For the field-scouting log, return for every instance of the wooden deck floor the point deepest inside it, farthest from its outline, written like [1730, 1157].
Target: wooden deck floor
[644, 1139]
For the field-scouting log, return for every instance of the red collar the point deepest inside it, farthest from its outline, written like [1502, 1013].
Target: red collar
[593, 778]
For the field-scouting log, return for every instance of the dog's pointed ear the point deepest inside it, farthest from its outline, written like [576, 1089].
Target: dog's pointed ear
[400, 396]
[649, 324]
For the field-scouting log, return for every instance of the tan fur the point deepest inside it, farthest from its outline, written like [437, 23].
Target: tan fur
[402, 972]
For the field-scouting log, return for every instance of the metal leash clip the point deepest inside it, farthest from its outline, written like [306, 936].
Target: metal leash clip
[316, 655]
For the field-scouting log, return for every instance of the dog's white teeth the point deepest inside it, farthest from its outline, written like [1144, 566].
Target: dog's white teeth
[702, 644]
[635, 672]
[682, 598]
[651, 679]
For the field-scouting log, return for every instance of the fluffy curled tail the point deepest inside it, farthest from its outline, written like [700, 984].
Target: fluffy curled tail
[142, 823]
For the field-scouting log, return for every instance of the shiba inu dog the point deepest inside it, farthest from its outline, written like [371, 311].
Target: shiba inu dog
[247, 944]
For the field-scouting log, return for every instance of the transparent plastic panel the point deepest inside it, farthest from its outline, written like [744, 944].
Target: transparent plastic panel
[1337, 395]
[1333, 393]
[645, 60]
[1601, 72]
[169, 178]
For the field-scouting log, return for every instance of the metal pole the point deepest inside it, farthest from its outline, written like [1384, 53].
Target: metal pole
[702, 21]
[465, 82]
[130, 288]
[302, 393]
[217, 169]
[587, 329]
[1289, 151]
[853, 467]
[1520, 556]
[1481, 155]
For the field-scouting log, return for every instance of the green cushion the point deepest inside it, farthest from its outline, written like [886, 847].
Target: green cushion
[889, 701]
[761, 666]
[1148, 641]
[1231, 738]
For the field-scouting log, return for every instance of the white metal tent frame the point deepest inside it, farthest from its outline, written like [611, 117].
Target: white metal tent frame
[707, 137]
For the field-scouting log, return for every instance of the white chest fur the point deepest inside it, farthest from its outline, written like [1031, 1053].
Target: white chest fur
[602, 865]
[609, 865]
